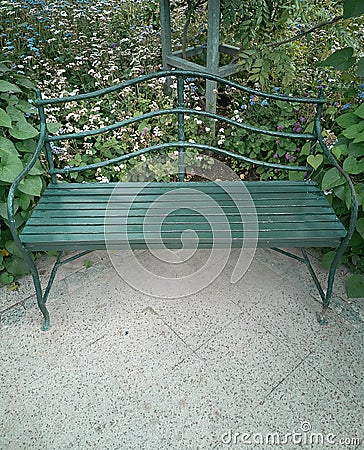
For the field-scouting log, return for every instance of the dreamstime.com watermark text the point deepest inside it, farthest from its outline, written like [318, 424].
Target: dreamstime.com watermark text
[303, 437]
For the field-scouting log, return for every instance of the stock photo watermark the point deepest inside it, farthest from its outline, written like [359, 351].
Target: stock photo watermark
[186, 213]
[304, 436]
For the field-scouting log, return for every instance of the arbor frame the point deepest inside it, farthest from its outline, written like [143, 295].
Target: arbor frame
[175, 59]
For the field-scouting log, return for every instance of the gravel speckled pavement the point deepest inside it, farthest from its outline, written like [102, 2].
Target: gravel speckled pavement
[234, 366]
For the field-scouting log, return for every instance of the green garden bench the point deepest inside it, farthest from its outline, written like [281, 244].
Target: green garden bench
[270, 214]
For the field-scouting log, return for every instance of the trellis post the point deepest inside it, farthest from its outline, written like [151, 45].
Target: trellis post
[175, 58]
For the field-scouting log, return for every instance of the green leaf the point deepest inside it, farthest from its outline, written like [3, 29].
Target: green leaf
[13, 249]
[3, 67]
[339, 191]
[295, 176]
[16, 266]
[10, 167]
[14, 113]
[355, 286]
[359, 138]
[352, 132]
[315, 161]
[360, 111]
[306, 149]
[361, 68]
[6, 278]
[5, 86]
[4, 209]
[353, 166]
[5, 119]
[24, 201]
[338, 150]
[23, 130]
[25, 82]
[360, 227]
[340, 60]
[353, 8]
[31, 185]
[26, 146]
[6, 146]
[359, 188]
[356, 149]
[54, 127]
[331, 179]
[346, 120]
[327, 259]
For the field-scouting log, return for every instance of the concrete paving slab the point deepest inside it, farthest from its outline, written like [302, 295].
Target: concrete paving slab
[307, 403]
[120, 369]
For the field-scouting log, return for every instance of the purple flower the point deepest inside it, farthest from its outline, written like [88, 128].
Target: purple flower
[292, 158]
[298, 149]
[297, 127]
[275, 155]
[280, 127]
[277, 141]
[303, 119]
[287, 155]
[145, 132]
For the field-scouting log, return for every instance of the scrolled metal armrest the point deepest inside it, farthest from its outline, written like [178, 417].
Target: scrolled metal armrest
[19, 178]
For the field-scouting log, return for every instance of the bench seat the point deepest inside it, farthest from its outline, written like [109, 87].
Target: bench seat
[72, 216]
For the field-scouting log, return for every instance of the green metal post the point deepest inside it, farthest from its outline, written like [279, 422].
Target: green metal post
[213, 26]
[165, 19]
[181, 129]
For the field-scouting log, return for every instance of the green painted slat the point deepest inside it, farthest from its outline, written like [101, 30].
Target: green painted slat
[183, 204]
[168, 227]
[288, 242]
[172, 184]
[100, 245]
[86, 220]
[211, 189]
[261, 211]
[219, 197]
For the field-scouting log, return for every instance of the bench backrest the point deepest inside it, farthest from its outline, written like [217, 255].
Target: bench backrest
[180, 110]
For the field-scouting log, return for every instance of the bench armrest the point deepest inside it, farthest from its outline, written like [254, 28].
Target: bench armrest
[18, 179]
[334, 162]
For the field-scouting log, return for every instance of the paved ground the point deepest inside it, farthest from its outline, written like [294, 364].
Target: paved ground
[222, 368]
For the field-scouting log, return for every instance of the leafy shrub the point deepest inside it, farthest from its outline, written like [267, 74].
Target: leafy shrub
[17, 142]
[349, 150]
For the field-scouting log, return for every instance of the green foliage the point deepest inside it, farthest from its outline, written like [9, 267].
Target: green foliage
[355, 286]
[353, 8]
[16, 144]
[349, 149]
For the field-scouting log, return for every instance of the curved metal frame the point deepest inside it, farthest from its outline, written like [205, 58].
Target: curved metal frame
[181, 145]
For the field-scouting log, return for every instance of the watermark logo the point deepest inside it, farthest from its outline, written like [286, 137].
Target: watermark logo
[173, 221]
[304, 436]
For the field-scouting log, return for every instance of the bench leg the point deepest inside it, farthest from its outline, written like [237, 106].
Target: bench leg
[38, 289]
[41, 301]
